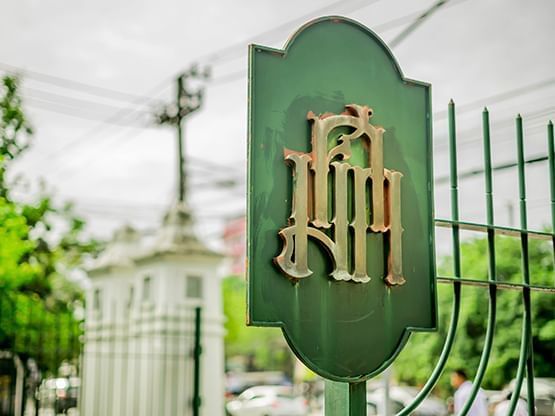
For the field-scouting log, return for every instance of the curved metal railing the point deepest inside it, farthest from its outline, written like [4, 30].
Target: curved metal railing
[525, 363]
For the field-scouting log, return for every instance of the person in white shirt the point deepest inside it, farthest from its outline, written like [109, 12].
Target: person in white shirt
[460, 381]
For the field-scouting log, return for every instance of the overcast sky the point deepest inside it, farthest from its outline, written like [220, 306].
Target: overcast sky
[477, 52]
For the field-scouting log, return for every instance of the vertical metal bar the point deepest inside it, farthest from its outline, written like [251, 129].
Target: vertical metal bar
[83, 373]
[357, 399]
[174, 360]
[39, 348]
[551, 157]
[97, 371]
[521, 178]
[181, 329]
[79, 350]
[150, 363]
[180, 147]
[345, 399]
[525, 361]
[488, 182]
[336, 397]
[135, 397]
[164, 360]
[110, 360]
[125, 363]
[68, 339]
[57, 342]
[70, 334]
[40, 345]
[29, 338]
[490, 330]
[196, 373]
[451, 332]
[13, 390]
[14, 332]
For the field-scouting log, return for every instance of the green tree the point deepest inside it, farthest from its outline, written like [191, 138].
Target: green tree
[15, 130]
[262, 348]
[40, 243]
[416, 362]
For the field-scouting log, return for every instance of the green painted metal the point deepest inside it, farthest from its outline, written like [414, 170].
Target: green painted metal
[277, 122]
[344, 331]
[489, 185]
[525, 362]
[508, 231]
[451, 332]
[551, 161]
[197, 351]
[336, 397]
[345, 399]
[498, 284]
[492, 304]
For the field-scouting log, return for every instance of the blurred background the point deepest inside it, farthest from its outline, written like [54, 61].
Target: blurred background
[104, 268]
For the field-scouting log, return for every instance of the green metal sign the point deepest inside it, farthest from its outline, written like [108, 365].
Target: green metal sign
[340, 224]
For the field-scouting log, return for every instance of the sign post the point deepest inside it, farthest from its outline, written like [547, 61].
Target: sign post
[340, 225]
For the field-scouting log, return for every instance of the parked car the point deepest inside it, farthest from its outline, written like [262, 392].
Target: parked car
[268, 401]
[375, 404]
[238, 382]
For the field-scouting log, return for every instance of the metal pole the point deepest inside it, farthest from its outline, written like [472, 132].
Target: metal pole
[196, 353]
[174, 114]
[457, 271]
[345, 399]
[180, 147]
[525, 361]
[551, 156]
[492, 305]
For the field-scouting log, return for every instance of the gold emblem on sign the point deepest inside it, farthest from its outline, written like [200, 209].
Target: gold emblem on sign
[375, 197]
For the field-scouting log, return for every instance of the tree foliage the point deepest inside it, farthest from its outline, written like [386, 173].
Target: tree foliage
[40, 244]
[416, 362]
[263, 348]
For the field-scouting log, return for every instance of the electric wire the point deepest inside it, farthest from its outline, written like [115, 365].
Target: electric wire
[76, 103]
[102, 126]
[379, 28]
[499, 97]
[75, 85]
[71, 111]
[237, 49]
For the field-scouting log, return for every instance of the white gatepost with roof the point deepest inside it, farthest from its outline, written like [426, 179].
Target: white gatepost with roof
[139, 334]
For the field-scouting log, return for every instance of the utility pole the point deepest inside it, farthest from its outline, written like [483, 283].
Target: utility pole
[187, 102]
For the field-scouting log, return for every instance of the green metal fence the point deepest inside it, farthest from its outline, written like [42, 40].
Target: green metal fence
[43, 341]
[492, 285]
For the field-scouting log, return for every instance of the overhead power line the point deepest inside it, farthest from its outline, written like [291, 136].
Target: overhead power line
[498, 98]
[141, 99]
[90, 157]
[104, 124]
[75, 85]
[344, 6]
[241, 74]
[76, 103]
[239, 48]
[72, 111]
[476, 132]
[419, 21]
[502, 166]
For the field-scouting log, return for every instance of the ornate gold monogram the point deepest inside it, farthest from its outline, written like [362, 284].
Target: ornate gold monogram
[310, 213]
